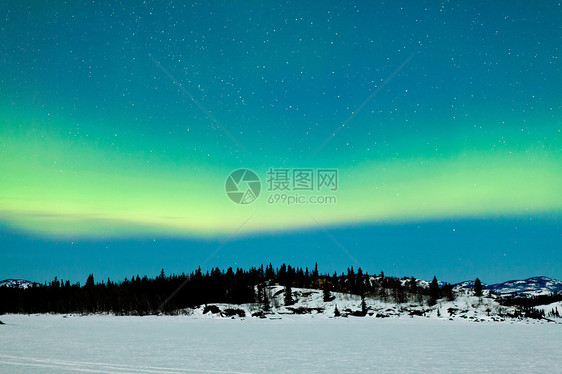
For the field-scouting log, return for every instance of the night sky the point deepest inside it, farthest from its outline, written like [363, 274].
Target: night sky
[120, 124]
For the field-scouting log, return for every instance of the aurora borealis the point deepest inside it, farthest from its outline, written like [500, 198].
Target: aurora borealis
[121, 122]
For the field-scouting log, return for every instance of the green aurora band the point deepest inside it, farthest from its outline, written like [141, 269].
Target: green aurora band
[100, 183]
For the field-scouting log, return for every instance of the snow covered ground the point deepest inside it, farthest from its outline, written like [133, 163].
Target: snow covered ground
[292, 344]
[465, 306]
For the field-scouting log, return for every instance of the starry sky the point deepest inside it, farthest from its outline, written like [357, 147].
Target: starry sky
[121, 121]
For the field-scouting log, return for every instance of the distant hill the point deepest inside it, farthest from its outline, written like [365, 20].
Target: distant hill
[16, 283]
[534, 286]
[531, 287]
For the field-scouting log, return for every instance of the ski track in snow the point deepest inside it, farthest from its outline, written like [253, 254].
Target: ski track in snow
[98, 367]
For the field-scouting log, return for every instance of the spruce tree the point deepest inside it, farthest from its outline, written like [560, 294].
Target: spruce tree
[326, 292]
[336, 312]
[351, 280]
[266, 306]
[363, 305]
[433, 291]
[447, 290]
[413, 285]
[315, 272]
[89, 281]
[360, 282]
[261, 293]
[477, 287]
[288, 295]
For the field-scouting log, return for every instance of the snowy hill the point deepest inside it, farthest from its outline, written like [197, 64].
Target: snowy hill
[310, 302]
[18, 283]
[470, 284]
[529, 287]
[532, 287]
[551, 308]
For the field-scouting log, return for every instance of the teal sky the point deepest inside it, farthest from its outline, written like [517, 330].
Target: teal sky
[121, 122]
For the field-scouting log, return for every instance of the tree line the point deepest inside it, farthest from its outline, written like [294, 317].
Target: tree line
[167, 293]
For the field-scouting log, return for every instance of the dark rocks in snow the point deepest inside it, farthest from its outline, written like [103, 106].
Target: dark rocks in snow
[259, 314]
[211, 308]
[452, 311]
[303, 310]
[358, 313]
[230, 312]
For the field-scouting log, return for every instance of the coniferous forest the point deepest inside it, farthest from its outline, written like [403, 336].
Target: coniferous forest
[168, 293]
[164, 294]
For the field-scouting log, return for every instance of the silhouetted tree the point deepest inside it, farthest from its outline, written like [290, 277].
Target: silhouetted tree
[266, 306]
[360, 282]
[477, 287]
[413, 285]
[433, 291]
[89, 281]
[326, 292]
[288, 295]
[447, 291]
[363, 305]
[315, 272]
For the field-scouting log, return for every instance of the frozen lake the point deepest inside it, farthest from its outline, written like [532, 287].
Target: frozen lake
[299, 344]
